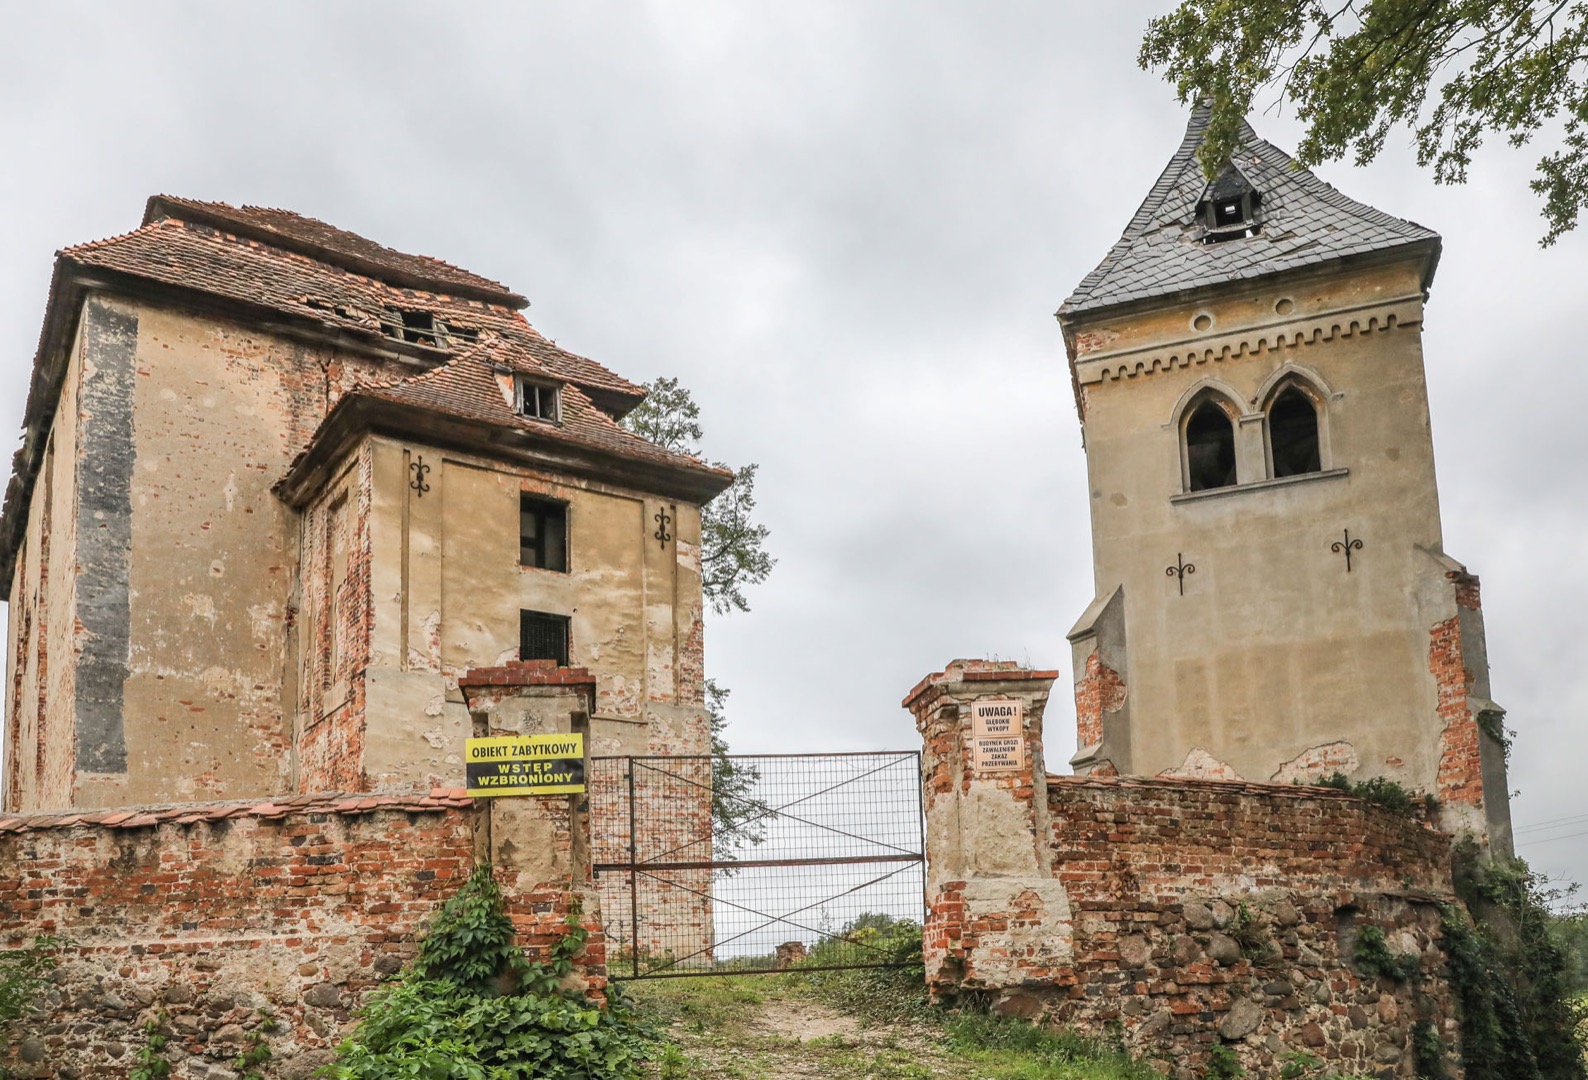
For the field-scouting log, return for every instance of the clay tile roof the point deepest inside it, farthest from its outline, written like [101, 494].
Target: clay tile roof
[308, 236]
[469, 386]
[177, 252]
[1304, 221]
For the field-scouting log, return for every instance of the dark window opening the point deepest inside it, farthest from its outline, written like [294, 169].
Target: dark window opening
[537, 400]
[1210, 448]
[543, 534]
[1293, 434]
[1229, 207]
[543, 637]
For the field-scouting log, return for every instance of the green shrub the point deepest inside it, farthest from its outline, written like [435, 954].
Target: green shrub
[471, 1006]
[1374, 958]
[23, 973]
[1510, 975]
[1385, 793]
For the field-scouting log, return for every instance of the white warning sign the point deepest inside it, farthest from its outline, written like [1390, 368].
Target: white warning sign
[996, 717]
[998, 753]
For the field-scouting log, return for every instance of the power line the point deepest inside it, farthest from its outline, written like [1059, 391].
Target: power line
[1547, 839]
[1571, 819]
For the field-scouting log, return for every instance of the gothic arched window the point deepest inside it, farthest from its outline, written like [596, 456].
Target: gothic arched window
[1209, 448]
[1293, 434]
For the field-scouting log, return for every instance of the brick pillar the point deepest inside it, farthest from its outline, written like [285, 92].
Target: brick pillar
[997, 919]
[540, 845]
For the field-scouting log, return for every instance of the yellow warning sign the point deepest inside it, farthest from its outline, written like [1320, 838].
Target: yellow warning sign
[525, 765]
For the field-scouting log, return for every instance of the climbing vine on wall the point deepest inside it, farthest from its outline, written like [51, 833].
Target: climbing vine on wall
[1509, 975]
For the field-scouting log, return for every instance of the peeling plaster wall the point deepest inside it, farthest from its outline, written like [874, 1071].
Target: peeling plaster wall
[445, 593]
[148, 648]
[1274, 649]
[43, 637]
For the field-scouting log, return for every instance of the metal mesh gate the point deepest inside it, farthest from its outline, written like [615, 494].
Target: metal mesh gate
[755, 863]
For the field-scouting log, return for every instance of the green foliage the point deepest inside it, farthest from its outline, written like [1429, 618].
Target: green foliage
[254, 1055]
[1383, 792]
[738, 818]
[23, 973]
[1039, 1051]
[1374, 958]
[1451, 71]
[1252, 937]
[1492, 723]
[1300, 1065]
[1571, 934]
[150, 1062]
[1428, 1051]
[1510, 975]
[1223, 1064]
[733, 552]
[472, 1007]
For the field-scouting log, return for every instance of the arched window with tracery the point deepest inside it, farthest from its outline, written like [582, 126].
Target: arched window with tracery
[1293, 434]
[1209, 448]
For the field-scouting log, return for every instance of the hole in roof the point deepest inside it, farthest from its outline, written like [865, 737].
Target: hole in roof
[1203, 321]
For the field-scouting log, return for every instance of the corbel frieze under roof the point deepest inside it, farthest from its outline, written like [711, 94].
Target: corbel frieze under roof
[1215, 346]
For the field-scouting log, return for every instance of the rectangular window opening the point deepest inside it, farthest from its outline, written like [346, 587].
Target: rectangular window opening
[542, 636]
[542, 534]
[538, 400]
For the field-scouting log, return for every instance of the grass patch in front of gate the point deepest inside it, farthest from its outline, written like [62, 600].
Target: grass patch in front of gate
[853, 1025]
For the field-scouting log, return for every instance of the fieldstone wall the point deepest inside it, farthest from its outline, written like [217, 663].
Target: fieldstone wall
[211, 918]
[1176, 914]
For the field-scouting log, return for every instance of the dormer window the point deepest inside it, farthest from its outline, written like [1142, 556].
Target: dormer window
[423, 328]
[539, 401]
[1228, 210]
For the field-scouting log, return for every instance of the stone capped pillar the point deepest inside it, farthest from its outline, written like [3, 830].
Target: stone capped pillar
[996, 916]
[540, 845]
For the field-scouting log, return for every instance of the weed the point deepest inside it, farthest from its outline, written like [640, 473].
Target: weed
[1374, 958]
[1223, 1064]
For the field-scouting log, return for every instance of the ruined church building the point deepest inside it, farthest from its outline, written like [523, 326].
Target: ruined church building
[296, 514]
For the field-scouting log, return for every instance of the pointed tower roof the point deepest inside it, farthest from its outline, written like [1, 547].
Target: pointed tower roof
[1300, 221]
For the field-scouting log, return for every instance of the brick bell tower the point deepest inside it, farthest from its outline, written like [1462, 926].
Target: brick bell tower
[1273, 598]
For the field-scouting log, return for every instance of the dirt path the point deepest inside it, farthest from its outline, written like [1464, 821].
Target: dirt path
[765, 1030]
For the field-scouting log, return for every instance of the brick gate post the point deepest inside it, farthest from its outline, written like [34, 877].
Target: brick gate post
[993, 903]
[540, 845]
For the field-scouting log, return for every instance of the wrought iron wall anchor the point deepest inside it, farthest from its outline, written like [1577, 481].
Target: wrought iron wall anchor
[419, 469]
[1179, 570]
[1346, 546]
[663, 519]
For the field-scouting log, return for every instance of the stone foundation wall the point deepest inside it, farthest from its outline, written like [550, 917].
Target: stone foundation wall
[1175, 914]
[217, 914]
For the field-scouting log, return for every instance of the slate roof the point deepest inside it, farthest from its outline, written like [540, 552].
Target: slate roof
[1303, 222]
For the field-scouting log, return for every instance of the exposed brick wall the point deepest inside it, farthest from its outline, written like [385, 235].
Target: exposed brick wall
[211, 912]
[338, 624]
[1460, 776]
[1099, 691]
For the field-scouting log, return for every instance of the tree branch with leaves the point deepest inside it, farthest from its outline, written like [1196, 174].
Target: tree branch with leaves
[733, 557]
[1450, 71]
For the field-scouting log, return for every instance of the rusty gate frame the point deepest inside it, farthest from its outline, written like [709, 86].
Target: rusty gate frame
[635, 867]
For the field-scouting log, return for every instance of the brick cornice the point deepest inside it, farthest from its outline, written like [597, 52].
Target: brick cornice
[525, 673]
[329, 802]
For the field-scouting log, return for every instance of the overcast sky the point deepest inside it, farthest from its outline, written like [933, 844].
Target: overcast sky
[845, 226]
